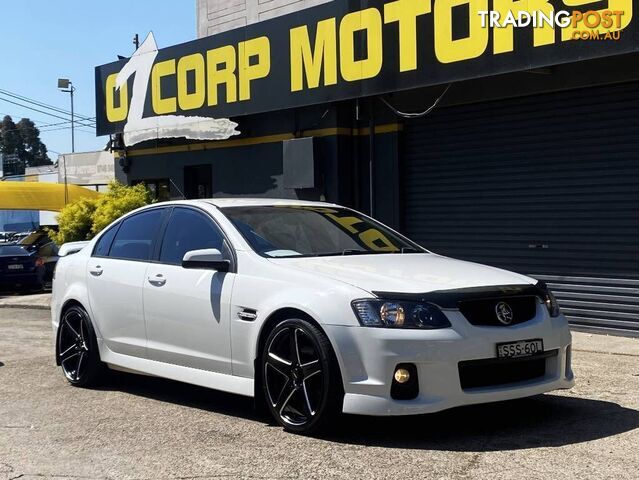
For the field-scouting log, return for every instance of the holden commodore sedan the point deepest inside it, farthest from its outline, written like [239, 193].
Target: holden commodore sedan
[311, 308]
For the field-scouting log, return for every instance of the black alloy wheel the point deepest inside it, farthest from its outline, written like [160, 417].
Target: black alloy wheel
[301, 381]
[78, 353]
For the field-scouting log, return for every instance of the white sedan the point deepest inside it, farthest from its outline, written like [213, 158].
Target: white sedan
[312, 308]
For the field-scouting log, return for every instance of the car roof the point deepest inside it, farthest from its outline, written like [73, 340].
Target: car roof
[263, 202]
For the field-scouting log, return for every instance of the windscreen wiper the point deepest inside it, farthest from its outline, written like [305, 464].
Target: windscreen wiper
[353, 251]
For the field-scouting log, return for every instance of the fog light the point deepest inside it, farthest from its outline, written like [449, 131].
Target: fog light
[405, 384]
[402, 375]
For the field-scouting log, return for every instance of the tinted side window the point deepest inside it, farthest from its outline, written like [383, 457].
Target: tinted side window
[104, 244]
[188, 230]
[134, 240]
[48, 250]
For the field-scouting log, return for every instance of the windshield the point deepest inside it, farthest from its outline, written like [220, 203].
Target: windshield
[300, 231]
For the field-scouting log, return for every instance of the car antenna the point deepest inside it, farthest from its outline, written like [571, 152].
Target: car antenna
[177, 188]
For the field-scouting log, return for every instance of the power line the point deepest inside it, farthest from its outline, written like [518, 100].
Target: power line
[42, 104]
[67, 128]
[39, 111]
[51, 111]
[14, 115]
[47, 128]
[41, 128]
[82, 118]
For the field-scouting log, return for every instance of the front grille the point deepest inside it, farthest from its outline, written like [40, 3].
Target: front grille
[495, 372]
[484, 312]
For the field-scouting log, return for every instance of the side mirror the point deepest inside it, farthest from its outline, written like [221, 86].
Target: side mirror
[208, 259]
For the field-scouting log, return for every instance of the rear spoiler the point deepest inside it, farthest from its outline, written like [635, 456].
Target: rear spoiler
[71, 248]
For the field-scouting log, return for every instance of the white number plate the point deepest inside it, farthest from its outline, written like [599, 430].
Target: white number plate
[15, 267]
[523, 348]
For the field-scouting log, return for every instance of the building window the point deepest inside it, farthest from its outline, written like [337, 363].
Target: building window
[160, 189]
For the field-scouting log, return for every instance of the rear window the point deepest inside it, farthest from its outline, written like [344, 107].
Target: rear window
[35, 239]
[12, 250]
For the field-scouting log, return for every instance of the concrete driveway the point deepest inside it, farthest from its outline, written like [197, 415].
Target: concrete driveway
[147, 428]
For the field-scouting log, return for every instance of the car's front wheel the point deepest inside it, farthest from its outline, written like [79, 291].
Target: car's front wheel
[78, 353]
[300, 377]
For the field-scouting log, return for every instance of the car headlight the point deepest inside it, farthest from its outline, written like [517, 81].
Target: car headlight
[399, 314]
[549, 300]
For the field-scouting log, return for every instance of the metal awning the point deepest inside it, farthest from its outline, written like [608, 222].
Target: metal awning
[40, 196]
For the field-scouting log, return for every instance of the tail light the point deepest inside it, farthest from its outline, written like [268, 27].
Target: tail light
[39, 262]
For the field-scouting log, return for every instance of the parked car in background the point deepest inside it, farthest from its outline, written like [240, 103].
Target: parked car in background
[28, 263]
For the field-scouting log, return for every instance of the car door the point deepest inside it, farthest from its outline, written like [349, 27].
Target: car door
[116, 274]
[187, 311]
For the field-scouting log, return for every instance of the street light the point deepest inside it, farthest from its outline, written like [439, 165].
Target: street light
[65, 85]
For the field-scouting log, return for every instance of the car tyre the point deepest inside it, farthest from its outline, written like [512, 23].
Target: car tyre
[301, 381]
[78, 353]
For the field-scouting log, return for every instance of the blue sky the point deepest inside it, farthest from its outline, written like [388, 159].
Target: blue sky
[44, 40]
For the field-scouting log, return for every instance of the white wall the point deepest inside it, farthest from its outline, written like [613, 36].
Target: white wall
[215, 16]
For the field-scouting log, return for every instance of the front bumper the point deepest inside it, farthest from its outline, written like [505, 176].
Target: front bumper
[368, 358]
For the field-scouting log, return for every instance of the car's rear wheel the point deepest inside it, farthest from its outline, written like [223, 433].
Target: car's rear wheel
[78, 353]
[300, 377]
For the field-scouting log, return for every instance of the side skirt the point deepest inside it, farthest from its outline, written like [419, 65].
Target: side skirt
[203, 378]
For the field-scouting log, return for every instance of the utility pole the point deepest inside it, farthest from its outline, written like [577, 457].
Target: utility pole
[65, 85]
[72, 89]
[136, 41]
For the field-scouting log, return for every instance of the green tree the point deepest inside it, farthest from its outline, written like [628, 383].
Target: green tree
[118, 200]
[84, 219]
[74, 222]
[23, 139]
[34, 152]
[10, 141]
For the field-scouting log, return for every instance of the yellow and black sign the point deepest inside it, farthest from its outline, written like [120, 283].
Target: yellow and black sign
[346, 49]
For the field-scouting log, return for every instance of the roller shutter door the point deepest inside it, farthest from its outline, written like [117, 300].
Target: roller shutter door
[546, 185]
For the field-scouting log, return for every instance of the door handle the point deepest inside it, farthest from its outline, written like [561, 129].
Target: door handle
[157, 281]
[96, 271]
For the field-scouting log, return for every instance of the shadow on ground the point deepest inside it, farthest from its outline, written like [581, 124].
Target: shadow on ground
[543, 421]
[182, 394]
[12, 291]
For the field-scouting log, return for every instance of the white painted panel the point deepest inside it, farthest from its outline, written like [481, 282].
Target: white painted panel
[215, 16]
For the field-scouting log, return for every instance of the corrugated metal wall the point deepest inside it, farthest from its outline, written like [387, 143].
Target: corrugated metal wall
[546, 185]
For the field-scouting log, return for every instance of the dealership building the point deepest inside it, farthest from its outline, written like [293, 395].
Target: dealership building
[512, 146]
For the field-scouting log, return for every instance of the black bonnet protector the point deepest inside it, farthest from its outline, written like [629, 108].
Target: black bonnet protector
[452, 298]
